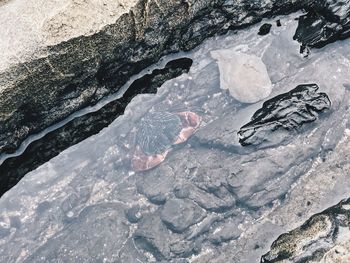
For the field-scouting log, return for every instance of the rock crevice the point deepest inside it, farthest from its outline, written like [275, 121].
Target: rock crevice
[80, 71]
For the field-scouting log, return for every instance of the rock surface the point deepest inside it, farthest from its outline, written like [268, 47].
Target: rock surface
[322, 238]
[80, 128]
[265, 29]
[325, 22]
[287, 111]
[242, 198]
[64, 73]
[245, 76]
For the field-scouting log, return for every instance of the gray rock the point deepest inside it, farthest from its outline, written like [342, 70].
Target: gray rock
[180, 214]
[79, 71]
[102, 236]
[133, 214]
[316, 239]
[157, 185]
[153, 237]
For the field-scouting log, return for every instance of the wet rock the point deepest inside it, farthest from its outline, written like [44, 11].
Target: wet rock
[211, 202]
[133, 214]
[129, 253]
[156, 186]
[153, 237]
[315, 239]
[284, 113]
[80, 128]
[325, 22]
[180, 214]
[264, 29]
[100, 228]
[203, 227]
[80, 69]
[226, 231]
[185, 248]
[245, 76]
[182, 191]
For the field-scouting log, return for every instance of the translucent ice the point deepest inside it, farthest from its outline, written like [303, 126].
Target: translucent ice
[245, 76]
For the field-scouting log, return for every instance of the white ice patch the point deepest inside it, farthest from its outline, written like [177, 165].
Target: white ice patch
[245, 76]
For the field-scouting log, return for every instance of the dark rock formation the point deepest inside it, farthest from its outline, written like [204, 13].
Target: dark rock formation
[80, 71]
[316, 237]
[285, 112]
[325, 22]
[264, 29]
[42, 150]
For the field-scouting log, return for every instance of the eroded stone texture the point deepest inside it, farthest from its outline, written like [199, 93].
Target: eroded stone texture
[178, 214]
[246, 196]
[325, 22]
[316, 239]
[94, 229]
[65, 77]
[42, 150]
[284, 112]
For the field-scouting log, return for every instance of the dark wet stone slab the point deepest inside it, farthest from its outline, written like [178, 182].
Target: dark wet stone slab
[264, 29]
[318, 236]
[284, 113]
[324, 23]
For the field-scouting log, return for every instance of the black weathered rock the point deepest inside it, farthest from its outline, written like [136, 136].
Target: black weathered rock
[325, 22]
[42, 150]
[179, 214]
[284, 113]
[278, 23]
[87, 68]
[316, 237]
[264, 29]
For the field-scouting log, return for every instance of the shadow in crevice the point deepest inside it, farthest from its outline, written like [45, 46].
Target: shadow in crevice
[80, 128]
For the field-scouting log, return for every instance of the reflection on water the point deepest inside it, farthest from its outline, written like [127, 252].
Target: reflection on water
[207, 197]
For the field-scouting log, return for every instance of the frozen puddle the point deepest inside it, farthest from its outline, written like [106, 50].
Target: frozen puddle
[208, 198]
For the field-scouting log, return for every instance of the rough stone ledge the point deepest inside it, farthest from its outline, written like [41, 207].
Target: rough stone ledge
[70, 75]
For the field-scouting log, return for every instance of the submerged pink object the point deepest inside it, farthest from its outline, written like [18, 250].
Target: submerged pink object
[188, 123]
